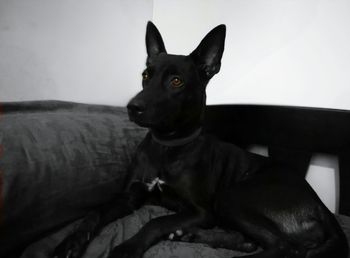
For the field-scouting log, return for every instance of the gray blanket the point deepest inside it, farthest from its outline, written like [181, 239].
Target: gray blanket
[119, 231]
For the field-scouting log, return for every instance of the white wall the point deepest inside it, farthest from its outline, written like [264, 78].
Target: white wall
[87, 51]
[277, 51]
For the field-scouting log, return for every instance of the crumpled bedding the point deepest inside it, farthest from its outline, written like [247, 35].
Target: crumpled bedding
[121, 230]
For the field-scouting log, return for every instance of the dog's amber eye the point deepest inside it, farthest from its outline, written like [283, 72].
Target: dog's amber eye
[145, 75]
[176, 82]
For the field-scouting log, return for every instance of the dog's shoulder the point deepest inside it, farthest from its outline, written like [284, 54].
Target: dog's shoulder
[234, 163]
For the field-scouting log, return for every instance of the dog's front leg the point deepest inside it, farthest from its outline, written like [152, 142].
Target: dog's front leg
[156, 229]
[74, 245]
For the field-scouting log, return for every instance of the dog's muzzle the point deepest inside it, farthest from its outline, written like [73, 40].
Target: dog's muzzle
[135, 110]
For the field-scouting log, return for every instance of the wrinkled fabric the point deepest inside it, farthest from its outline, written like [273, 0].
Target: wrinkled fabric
[121, 230]
[59, 160]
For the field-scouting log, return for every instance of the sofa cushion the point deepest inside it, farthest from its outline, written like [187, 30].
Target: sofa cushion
[58, 160]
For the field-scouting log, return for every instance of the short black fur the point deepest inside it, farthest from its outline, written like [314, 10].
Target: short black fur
[205, 181]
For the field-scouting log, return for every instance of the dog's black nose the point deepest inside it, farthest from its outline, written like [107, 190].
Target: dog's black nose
[136, 107]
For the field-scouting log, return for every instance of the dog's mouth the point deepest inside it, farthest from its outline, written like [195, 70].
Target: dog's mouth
[144, 120]
[136, 113]
[138, 118]
[149, 118]
[142, 123]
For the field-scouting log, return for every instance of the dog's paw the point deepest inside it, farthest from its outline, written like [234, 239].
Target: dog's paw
[247, 247]
[176, 236]
[190, 235]
[73, 246]
[126, 250]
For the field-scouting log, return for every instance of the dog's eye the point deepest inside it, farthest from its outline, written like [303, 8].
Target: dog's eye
[145, 75]
[176, 82]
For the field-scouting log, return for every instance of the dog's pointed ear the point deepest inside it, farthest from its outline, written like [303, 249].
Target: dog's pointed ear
[154, 41]
[208, 54]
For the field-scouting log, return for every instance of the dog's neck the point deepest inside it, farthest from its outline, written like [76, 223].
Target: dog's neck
[187, 132]
[176, 139]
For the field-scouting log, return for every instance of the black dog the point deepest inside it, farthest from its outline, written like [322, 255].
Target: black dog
[207, 182]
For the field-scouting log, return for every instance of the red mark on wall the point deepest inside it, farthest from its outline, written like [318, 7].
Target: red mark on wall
[1, 175]
[1, 201]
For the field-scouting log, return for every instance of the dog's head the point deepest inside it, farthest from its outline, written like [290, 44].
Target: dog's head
[173, 95]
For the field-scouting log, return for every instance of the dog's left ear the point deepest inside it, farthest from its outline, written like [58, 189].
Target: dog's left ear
[154, 41]
[208, 54]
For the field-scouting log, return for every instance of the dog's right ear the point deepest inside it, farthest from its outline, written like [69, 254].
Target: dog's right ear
[154, 41]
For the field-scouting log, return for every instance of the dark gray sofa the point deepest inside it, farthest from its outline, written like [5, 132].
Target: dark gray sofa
[59, 160]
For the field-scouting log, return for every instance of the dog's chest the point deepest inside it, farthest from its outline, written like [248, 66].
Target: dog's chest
[167, 180]
[157, 167]
[154, 175]
[155, 184]
[178, 171]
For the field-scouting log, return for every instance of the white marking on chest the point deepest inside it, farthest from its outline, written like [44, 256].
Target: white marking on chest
[157, 182]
